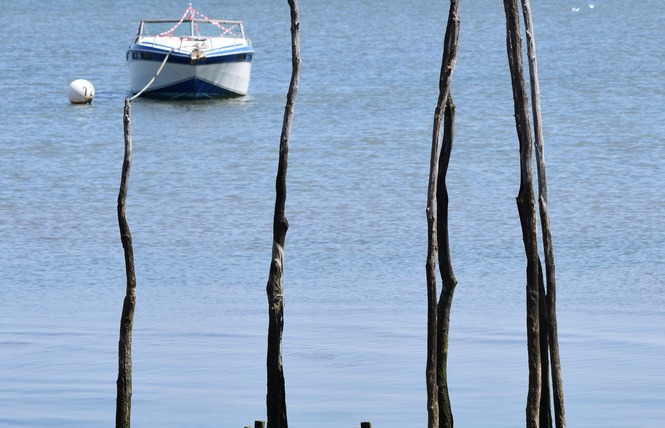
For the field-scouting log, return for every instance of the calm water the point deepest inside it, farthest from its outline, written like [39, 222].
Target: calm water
[200, 208]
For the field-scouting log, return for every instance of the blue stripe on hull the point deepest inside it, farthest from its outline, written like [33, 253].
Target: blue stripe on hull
[191, 88]
[142, 53]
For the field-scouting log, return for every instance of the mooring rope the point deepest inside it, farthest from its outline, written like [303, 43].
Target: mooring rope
[153, 77]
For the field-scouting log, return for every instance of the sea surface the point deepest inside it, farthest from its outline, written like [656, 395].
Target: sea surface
[201, 198]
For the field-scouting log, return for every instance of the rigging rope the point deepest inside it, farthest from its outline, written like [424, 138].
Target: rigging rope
[192, 16]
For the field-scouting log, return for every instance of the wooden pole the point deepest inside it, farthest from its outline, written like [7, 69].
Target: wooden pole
[539, 144]
[545, 401]
[276, 393]
[124, 382]
[553, 335]
[448, 280]
[430, 270]
[438, 311]
[526, 206]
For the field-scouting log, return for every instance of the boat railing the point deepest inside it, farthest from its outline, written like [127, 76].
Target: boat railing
[194, 28]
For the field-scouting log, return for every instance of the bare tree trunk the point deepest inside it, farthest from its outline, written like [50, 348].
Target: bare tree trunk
[545, 404]
[526, 206]
[438, 312]
[124, 383]
[430, 270]
[552, 333]
[276, 393]
[448, 280]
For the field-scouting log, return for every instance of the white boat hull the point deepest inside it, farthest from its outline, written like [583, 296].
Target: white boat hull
[190, 80]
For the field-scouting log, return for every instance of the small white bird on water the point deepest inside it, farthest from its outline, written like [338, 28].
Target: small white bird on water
[575, 9]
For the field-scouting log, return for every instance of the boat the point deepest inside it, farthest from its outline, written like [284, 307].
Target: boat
[193, 57]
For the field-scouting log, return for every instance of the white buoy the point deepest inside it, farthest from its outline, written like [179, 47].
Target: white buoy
[81, 92]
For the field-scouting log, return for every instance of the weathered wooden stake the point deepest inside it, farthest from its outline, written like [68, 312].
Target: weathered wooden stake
[553, 335]
[526, 206]
[545, 402]
[539, 144]
[365, 425]
[276, 393]
[124, 383]
[438, 311]
[448, 280]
